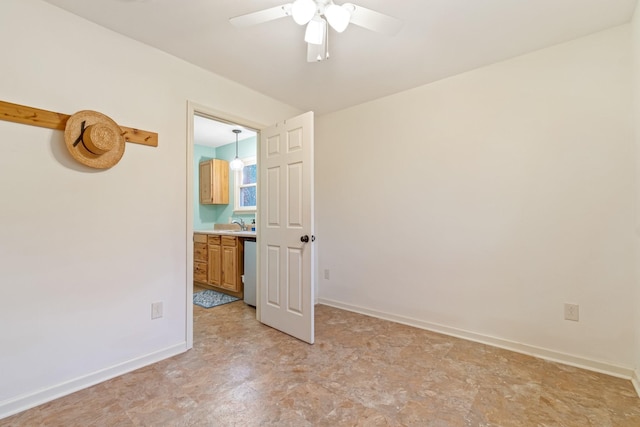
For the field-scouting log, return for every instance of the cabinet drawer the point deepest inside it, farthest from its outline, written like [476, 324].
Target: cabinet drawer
[200, 272]
[229, 241]
[200, 252]
[199, 238]
[213, 240]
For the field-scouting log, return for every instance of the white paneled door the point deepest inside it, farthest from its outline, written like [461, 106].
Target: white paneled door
[286, 227]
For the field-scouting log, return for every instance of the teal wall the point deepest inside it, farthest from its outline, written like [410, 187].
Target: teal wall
[204, 216]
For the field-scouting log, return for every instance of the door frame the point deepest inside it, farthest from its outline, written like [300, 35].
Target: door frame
[194, 108]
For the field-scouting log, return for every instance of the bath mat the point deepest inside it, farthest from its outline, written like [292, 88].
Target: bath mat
[209, 298]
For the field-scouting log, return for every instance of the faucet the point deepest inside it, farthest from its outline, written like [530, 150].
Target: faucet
[241, 223]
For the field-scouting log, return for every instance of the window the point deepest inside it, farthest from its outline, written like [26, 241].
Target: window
[245, 187]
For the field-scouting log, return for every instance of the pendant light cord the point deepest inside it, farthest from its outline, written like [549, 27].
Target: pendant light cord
[236, 164]
[236, 131]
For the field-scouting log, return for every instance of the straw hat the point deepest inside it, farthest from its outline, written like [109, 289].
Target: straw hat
[94, 139]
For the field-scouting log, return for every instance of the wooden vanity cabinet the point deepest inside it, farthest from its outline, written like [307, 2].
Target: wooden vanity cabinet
[225, 264]
[214, 182]
[200, 258]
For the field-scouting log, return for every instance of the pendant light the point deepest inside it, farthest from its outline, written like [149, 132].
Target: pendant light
[236, 164]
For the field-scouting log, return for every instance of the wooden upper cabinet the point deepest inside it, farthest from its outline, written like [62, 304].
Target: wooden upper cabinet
[214, 182]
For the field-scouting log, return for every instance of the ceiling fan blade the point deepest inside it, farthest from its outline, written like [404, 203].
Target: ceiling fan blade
[374, 21]
[261, 16]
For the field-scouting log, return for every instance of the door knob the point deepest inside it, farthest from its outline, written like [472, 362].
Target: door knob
[304, 239]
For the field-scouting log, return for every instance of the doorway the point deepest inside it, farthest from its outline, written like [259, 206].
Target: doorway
[210, 135]
[285, 286]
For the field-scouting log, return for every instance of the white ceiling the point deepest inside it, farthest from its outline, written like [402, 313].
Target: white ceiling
[214, 133]
[439, 38]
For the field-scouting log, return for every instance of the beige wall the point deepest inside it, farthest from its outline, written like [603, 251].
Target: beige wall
[84, 253]
[480, 204]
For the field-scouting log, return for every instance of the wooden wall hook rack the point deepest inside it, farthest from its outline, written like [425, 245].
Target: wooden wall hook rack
[51, 120]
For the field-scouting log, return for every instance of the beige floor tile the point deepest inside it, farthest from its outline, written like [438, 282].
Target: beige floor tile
[361, 372]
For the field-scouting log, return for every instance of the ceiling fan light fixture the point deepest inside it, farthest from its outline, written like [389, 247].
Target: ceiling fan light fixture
[316, 29]
[303, 11]
[338, 16]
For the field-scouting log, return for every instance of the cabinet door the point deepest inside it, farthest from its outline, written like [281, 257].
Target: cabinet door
[215, 267]
[220, 182]
[230, 268]
[205, 183]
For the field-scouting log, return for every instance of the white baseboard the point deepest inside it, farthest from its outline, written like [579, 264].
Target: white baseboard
[21, 403]
[551, 355]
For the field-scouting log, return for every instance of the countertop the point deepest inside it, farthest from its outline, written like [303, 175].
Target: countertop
[239, 233]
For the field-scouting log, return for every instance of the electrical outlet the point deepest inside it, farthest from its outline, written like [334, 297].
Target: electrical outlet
[572, 312]
[326, 273]
[156, 310]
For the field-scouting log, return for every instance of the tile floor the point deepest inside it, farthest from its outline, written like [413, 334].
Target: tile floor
[361, 372]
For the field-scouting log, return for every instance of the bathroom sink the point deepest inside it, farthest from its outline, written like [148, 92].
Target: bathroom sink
[231, 229]
[237, 232]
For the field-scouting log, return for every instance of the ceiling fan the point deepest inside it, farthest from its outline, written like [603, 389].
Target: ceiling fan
[315, 14]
